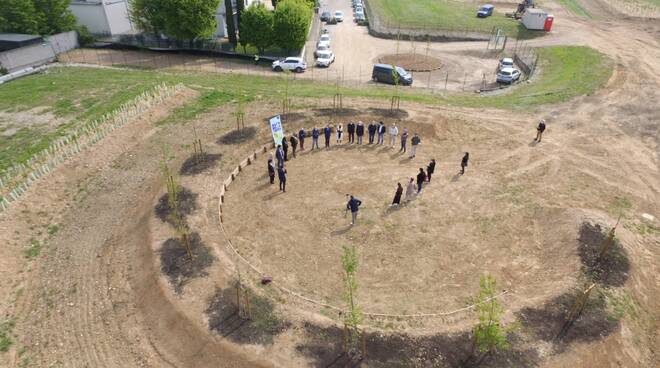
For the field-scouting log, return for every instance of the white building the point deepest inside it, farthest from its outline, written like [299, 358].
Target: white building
[103, 17]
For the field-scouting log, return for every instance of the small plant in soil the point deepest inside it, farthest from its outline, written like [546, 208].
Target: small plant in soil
[353, 316]
[238, 136]
[489, 335]
[181, 263]
[199, 163]
[605, 261]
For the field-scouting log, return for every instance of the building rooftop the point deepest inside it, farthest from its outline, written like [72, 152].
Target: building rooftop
[9, 41]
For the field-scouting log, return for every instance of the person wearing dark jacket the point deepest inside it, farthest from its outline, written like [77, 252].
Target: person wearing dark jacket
[294, 144]
[285, 148]
[397, 195]
[404, 140]
[315, 138]
[359, 130]
[414, 142]
[351, 132]
[539, 130]
[381, 133]
[301, 138]
[281, 174]
[430, 169]
[353, 205]
[372, 132]
[279, 155]
[464, 162]
[420, 179]
[327, 132]
[271, 171]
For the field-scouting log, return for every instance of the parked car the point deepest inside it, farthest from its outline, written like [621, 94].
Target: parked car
[321, 48]
[360, 18]
[325, 16]
[505, 63]
[295, 64]
[339, 15]
[485, 11]
[325, 58]
[324, 40]
[386, 73]
[508, 75]
[359, 9]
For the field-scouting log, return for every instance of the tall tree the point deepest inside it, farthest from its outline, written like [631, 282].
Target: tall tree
[54, 16]
[231, 27]
[190, 19]
[240, 8]
[149, 15]
[291, 24]
[19, 16]
[257, 27]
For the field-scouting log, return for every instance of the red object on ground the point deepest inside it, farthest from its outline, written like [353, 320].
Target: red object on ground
[548, 23]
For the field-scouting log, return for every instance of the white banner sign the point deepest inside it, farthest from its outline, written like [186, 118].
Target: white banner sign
[276, 128]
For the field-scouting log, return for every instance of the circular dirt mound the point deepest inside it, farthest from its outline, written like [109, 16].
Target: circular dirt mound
[412, 62]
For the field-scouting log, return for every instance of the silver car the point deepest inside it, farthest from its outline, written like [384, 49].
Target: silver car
[508, 75]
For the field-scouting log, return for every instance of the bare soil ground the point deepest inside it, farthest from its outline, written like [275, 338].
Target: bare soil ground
[525, 212]
[412, 62]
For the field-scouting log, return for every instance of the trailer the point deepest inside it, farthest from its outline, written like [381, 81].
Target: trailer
[537, 19]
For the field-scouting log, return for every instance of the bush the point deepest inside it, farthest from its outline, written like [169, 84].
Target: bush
[85, 37]
[3, 70]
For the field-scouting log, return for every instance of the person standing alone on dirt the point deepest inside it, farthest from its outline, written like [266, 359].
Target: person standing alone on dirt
[539, 130]
[281, 174]
[294, 144]
[430, 169]
[414, 142]
[353, 205]
[394, 132]
[421, 177]
[351, 132]
[315, 138]
[404, 140]
[397, 195]
[301, 137]
[464, 162]
[360, 131]
[381, 133]
[340, 131]
[271, 171]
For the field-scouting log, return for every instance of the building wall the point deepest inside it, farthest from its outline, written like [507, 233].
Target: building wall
[117, 14]
[91, 15]
[39, 54]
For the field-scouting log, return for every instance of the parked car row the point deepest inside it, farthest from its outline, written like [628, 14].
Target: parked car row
[358, 7]
[506, 71]
[324, 56]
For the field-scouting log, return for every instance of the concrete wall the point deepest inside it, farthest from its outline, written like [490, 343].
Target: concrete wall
[116, 12]
[102, 17]
[38, 54]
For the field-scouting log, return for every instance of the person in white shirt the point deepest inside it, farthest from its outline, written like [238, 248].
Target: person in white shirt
[340, 132]
[394, 132]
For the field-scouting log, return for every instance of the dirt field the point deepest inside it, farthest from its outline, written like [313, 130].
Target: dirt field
[109, 290]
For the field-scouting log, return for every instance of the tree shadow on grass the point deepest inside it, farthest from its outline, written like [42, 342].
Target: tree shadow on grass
[187, 201]
[177, 265]
[238, 136]
[224, 319]
[197, 164]
[614, 268]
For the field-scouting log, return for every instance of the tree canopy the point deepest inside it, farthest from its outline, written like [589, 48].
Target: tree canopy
[291, 23]
[256, 27]
[178, 19]
[148, 15]
[54, 16]
[43, 17]
[229, 18]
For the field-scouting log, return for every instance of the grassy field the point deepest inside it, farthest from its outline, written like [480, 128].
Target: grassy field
[445, 15]
[77, 94]
[574, 7]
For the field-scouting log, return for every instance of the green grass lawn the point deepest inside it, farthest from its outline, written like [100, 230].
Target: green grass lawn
[446, 15]
[566, 72]
[574, 7]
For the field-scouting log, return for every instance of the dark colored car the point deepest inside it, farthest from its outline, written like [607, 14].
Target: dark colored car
[385, 73]
[325, 16]
[331, 20]
[485, 11]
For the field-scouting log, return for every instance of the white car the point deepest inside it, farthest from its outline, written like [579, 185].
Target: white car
[339, 15]
[505, 63]
[324, 40]
[295, 64]
[508, 75]
[321, 48]
[325, 58]
[359, 13]
[359, 9]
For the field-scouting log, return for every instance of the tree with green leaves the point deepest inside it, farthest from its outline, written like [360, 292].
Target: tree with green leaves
[257, 27]
[148, 15]
[54, 16]
[489, 335]
[190, 19]
[291, 24]
[353, 316]
[19, 16]
[231, 27]
[240, 8]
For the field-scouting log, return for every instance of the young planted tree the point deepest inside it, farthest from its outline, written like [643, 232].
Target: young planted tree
[353, 316]
[396, 100]
[54, 15]
[175, 216]
[489, 335]
[291, 24]
[256, 27]
[229, 18]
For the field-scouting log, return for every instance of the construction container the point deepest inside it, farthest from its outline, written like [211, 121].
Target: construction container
[534, 19]
[548, 23]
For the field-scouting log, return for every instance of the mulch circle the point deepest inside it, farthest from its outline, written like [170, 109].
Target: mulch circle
[412, 62]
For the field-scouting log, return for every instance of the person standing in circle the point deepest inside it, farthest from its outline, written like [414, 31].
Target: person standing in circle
[294, 144]
[285, 148]
[430, 169]
[360, 131]
[301, 138]
[271, 171]
[414, 142]
[464, 162]
[351, 132]
[394, 132]
[315, 138]
[279, 155]
[327, 132]
[340, 131]
[397, 195]
[404, 140]
[281, 174]
[381, 133]
[421, 177]
[410, 190]
[353, 205]
[371, 129]
[539, 130]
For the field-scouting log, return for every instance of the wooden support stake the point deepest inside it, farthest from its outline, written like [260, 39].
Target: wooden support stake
[247, 305]
[238, 299]
[364, 345]
[345, 338]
